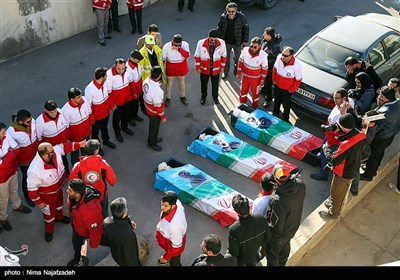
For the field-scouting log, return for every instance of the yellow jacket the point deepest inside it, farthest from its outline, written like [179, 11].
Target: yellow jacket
[145, 64]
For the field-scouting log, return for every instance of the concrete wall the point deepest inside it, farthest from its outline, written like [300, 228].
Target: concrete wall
[30, 24]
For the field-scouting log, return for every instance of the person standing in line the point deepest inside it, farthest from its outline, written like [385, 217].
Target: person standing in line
[8, 178]
[249, 235]
[79, 116]
[119, 234]
[135, 15]
[152, 30]
[23, 131]
[97, 95]
[118, 86]
[46, 176]
[272, 48]
[52, 127]
[175, 55]
[252, 70]
[210, 59]
[101, 9]
[85, 211]
[153, 97]
[181, 3]
[286, 209]
[114, 16]
[171, 229]
[152, 56]
[94, 171]
[211, 247]
[261, 203]
[345, 162]
[286, 76]
[136, 85]
[234, 30]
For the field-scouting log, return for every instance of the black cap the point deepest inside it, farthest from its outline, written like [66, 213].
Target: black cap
[347, 121]
[136, 54]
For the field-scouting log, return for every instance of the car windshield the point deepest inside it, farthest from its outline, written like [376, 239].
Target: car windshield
[326, 56]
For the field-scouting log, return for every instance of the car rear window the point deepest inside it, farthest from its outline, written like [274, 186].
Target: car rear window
[326, 56]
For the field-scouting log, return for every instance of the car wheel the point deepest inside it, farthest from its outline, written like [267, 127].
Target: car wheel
[268, 4]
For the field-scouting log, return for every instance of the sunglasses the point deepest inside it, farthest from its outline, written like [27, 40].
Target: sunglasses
[254, 47]
[231, 12]
[286, 55]
[177, 45]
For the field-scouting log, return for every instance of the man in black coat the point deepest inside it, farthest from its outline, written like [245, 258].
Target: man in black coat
[120, 236]
[211, 247]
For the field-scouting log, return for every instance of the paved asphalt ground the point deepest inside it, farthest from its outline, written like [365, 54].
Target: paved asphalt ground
[30, 79]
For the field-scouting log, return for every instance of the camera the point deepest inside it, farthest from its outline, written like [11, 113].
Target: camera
[332, 127]
[353, 93]
[372, 116]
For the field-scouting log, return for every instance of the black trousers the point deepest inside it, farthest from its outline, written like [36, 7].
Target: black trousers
[214, 85]
[278, 250]
[114, 13]
[154, 127]
[77, 242]
[266, 90]
[134, 107]
[24, 171]
[181, 3]
[121, 118]
[136, 19]
[66, 163]
[101, 125]
[283, 97]
[175, 261]
[104, 205]
[378, 147]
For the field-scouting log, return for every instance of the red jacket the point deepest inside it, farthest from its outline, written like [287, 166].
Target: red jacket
[86, 217]
[287, 76]
[136, 6]
[202, 57]
[101, 4]
[95, 172]
[8, 158]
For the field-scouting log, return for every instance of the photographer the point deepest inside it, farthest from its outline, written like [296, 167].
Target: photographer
[355, 66]
[386, 130]
[345, 163]
[363, 95]
[342, 105]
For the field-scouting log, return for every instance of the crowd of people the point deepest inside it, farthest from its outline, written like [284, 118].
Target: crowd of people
[39, 147]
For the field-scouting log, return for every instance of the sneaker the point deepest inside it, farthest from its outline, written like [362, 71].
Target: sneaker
[216, 101]
[139, 119]
[223, 76]
[155, 147]
[128, 131]
[167, 102]
[119, 138]
[266, 104]
[326, 215]
[203, 101]
[328, 204]
[393, 188]
[109, 144]
[64, 220]
[319, 177]
[48, 236]
[6, 225]
[23, 209]
[132, 123]
[73, 262]
[184, 100]
[159, 139]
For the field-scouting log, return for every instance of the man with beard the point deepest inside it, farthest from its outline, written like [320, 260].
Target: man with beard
[85, 211]
[45, 182]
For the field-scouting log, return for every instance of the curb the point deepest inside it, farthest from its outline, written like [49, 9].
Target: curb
[314, 228]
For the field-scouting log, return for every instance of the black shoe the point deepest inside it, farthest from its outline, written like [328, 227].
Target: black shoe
[132, 123]
[109, 144]
[1, 229]
[235, 70]
[184, 100]
[139, 119]
[103, 43]
[48, 236]
[216, 101]
[180, 10]
[101, 152]
[30, 202]
[155, 147]
[365, 178]
[203, 101]
[159, 139]
[23, 209]
[167, 102]
[140, 31]
[6, 225]
[266, 104]
[128, 131]
[318, 177]
[73, 262]
[191, 9]
[64, 220]
[133, 31]
[108, 37]
[353, 192]
[119, 138]
[117, 29]
[223, 76]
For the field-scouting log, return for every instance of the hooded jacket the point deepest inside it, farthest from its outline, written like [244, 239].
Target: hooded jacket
[86, 216]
